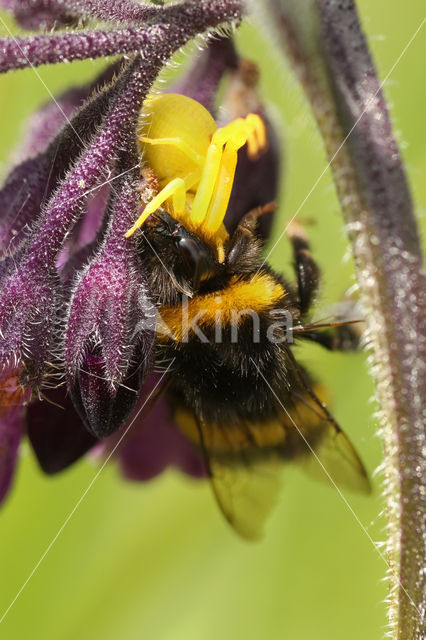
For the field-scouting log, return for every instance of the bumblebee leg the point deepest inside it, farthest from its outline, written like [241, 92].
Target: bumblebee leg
[307, 271]
[343, 338]
[241, 243]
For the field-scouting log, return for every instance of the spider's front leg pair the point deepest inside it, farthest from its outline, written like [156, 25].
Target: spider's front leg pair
[212, 178]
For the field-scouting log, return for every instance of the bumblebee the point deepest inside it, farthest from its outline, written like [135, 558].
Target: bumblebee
[238, 392]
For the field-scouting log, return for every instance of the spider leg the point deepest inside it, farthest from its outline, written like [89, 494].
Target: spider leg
[215, 173]
[213, 193]
[222, 189]
[175, 189]
[207, 183]
[179, 144]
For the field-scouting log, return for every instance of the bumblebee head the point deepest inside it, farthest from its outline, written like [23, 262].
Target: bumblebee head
[186, 259]
[181, 261]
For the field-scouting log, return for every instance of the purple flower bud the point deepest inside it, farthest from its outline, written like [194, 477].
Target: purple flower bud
[30, 294]
[27, 314]
[111, 322]
[31, 183]
[48, 14]
[46, 124]
[102, 408]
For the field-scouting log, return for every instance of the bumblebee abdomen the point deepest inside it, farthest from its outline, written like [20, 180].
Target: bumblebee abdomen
[218, 341]
[221, 380]
[229, 435]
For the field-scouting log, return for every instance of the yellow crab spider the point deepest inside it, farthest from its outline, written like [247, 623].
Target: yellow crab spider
[194, 161]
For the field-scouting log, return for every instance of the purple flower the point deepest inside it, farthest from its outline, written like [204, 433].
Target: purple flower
[147, 444]
[77, 315]
[56, 432]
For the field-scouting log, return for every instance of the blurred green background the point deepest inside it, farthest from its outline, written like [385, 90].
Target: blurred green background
[156, 560]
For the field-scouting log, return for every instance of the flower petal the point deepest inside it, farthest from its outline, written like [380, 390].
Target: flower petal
[11, 430]
[56, 432]
[150, 443]
[156, 445]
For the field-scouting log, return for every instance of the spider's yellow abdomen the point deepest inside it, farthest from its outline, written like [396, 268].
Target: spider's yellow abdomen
[174, 116]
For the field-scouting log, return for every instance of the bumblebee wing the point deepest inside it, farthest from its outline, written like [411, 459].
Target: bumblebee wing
[246, 480]
[328, 453]
[335, 459]
[244, 459]
[331, 454]
[246, 494]
[244, 476]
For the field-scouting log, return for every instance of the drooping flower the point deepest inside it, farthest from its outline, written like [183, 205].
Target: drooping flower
[75, 304]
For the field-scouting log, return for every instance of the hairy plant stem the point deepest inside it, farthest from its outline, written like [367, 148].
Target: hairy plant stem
[324, 42]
